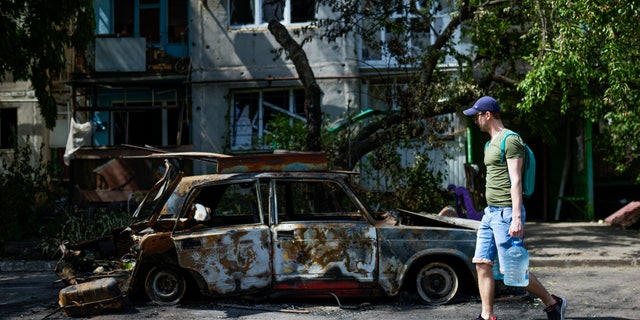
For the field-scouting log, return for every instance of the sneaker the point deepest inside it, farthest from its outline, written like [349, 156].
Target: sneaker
[481, 318]
[556, 311]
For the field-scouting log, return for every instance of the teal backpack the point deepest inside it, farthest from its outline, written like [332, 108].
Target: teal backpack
[528, 167]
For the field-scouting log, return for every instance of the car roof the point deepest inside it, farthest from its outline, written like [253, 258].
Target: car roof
[279, 161]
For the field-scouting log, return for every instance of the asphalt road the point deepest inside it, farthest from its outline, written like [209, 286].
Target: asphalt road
[593, 293]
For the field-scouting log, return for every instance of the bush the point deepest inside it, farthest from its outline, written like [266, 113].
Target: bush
[285, 133]
[76, 225]
[416, 187]
[27, 197]
[35, 213]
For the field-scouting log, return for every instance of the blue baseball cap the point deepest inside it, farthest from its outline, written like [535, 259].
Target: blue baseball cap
[485, 103]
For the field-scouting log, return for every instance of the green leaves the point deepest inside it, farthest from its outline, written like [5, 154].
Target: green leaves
[586, 67]
[37, 33]
[26, 197]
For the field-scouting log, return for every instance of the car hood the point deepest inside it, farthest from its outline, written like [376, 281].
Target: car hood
[410, 218]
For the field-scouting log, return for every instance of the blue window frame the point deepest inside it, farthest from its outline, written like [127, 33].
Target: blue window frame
[163, 23]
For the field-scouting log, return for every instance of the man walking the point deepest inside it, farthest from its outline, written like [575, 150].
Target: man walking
[504, 215]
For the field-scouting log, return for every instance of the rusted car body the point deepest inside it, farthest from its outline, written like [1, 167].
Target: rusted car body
[275, 224]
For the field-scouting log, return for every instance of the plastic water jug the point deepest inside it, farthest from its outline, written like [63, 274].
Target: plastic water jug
[497, 275]
[516, 265]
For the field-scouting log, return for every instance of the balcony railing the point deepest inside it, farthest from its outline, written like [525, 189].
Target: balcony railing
[112, 54]
[120, 54]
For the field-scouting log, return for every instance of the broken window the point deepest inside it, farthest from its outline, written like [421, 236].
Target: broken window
[156, 131]
[253, 111]
[8, 127]
[313, 200]
[226, 204]
[243, 12]
[272, 10]
[137, 116]
[406, 34]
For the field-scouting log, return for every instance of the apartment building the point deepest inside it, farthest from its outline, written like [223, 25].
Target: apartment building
[181, 75]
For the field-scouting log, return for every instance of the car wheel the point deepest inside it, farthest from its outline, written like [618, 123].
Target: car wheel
[436, 283]
[165, 285]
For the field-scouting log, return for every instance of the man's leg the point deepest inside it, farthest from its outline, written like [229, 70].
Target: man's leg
[537, 289]
[554, 306]
[483, 258]
[486, 286]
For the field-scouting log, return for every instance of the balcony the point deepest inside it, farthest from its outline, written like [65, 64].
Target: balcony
[112, 54]
[120, 54]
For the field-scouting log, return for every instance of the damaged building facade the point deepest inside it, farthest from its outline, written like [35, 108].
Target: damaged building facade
[203, 76]
[20, 121]
[129, 89]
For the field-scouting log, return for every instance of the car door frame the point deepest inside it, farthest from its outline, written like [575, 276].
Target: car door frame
[231, 260]
[335, 255]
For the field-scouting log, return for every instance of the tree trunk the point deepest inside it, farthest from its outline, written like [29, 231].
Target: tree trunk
[312, 92]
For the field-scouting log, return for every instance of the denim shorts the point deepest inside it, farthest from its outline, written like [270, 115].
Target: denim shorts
[493, 234]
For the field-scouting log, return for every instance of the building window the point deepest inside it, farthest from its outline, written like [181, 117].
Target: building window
[302, 11]
[158, 21]
[123, 18]
[149, 21]
[8, 127]
[252, 112]
[178, 19]
[248, 13]
[138, 116]
[386, 47]
[157, 131]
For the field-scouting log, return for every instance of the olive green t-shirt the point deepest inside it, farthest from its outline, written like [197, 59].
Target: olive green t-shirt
[498, 186]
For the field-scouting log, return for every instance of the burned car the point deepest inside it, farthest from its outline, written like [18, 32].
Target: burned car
[274, 223]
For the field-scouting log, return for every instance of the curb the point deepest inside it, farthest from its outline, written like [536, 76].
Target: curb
[27, 265]
[594, 263]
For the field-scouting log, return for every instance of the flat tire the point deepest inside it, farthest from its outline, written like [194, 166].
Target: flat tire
[436, 283]
[165, 285]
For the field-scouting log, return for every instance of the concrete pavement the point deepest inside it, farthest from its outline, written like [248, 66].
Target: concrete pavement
[587, 244]
[550, 244]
